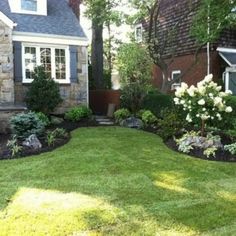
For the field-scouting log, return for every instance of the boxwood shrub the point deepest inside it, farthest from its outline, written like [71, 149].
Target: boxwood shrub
[78, 113]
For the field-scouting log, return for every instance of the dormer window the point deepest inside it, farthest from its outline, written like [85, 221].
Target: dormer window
[29, 5]
[33, 7]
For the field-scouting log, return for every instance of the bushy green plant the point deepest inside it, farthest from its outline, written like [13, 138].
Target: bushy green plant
[25, 124]
[171, 124]
[148, 118]
[132, 96]
[121, 114]
[50, 138]
[211, 151]
[43, 118]
[77, 113]
[203, 103]
[157, 102]
[15, 149]
[60, 133]
[134, 64]
[43, 94]
[231, 148]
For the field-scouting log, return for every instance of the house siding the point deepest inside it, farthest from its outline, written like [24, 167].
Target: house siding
[6, 65]
[72, 94]
[197, 72]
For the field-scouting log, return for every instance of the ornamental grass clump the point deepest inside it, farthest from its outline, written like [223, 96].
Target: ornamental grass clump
[203, 103]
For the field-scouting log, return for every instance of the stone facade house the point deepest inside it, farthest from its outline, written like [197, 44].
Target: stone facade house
[47, 33]
[223, 52]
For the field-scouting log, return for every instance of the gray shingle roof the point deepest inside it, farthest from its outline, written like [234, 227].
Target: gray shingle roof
[60, 20]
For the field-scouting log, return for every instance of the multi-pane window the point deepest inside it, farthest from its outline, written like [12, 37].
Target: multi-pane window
[54, 60]
[29, 5]
[46, 60]
[60, 59]
[30, 61]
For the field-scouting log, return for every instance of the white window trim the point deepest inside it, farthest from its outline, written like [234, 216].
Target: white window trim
[138, 40]
[175, 85]
[53, 66]
[227, 71]
[15, 6]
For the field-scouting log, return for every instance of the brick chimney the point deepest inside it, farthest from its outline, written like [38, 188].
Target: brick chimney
[75, 5]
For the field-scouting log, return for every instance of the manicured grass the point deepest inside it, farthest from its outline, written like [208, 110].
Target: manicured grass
[116, 181]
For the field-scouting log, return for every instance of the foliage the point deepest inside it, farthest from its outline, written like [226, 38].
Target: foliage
[60, 133]
[14, 147]
[25, 124]
[157, 102]
[50, 138]
[148, 118]
[132, 96]
[231, 148]
[134, 64]
[78, 113]
[212, 17]
[55, 134]
[171, 124]
[107, 79]
[43, 118]
[184, 146]
[203, 103]
[211, 151]
[121, 114]
[43, 94]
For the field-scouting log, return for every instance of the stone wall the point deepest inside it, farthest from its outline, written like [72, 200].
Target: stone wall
[73, 94]
[6, 65]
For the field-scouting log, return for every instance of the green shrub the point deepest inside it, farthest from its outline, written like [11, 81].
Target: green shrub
[25, 124]
[171, 124]
[60, 133]
[77, 113]
[121, 114]
[132, 96]
[43, 94]
[50, 138]
[148, 118]
[43, 118]
[157, 102]
[231, 148]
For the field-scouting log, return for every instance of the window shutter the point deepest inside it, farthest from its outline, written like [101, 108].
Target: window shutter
[73, 64]
[18, 61]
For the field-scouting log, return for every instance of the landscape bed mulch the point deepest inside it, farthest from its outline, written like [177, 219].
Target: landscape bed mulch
[67, 125]
[221, 155]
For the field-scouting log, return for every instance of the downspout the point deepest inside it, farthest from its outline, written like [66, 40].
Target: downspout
[208, 43]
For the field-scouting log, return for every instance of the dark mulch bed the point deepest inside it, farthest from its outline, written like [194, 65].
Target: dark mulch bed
[221, 155]
[67, 125]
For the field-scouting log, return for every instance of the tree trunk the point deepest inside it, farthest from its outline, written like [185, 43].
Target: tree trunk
[97, 54]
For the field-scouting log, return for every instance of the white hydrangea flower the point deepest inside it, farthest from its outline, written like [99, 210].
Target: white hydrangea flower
[191, 91]
[217, 101]
[208, 78]
[201, 102]
[228, 92]
[218, 88]
[188, 118]
[205, 117]
[228, 109]
[202, 90]
[176, 100]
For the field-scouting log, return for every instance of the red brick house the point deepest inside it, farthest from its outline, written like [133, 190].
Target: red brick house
[223, 52]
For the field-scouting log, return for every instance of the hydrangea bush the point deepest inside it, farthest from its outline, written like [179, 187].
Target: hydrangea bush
[203, 103]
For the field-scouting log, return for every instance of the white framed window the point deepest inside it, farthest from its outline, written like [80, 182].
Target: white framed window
[54, 59]
[175, 75]
[33, 7]
[139, 33]
[29, 5]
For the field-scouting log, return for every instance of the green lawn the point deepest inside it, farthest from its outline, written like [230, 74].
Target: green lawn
[116, 181]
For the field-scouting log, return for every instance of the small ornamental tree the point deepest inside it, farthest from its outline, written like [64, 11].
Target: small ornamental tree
[203, 103]
[43, 94]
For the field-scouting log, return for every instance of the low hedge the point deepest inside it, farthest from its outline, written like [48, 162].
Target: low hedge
[157, 102]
